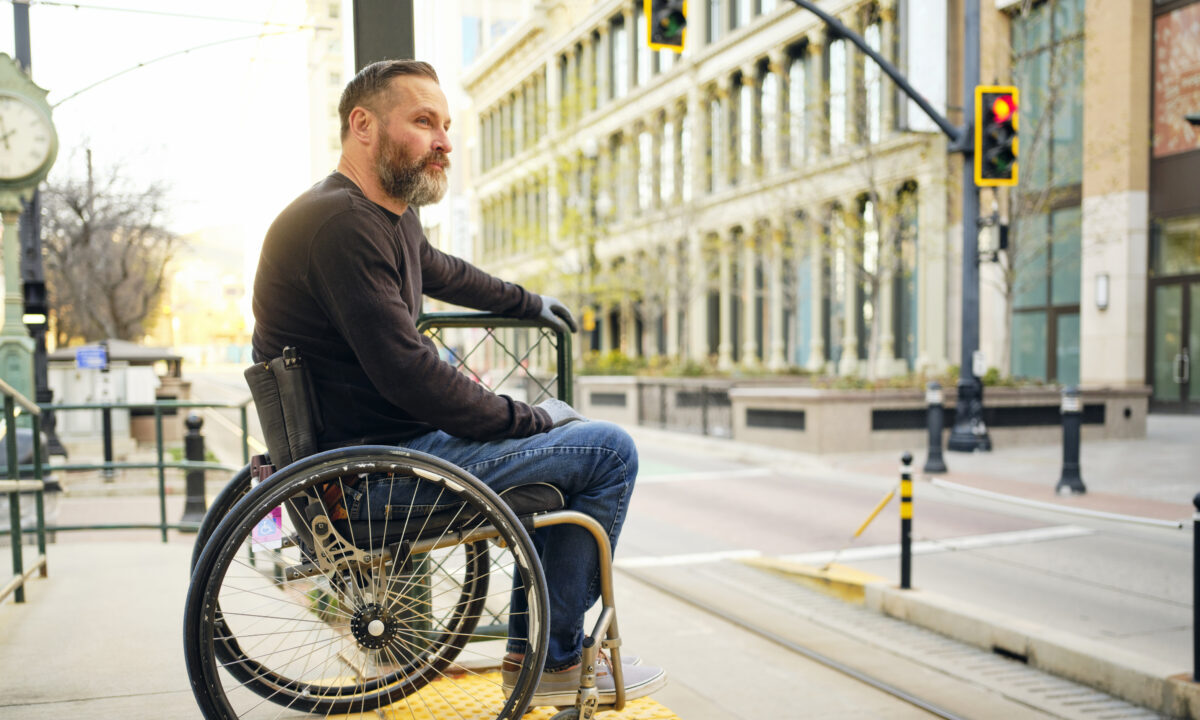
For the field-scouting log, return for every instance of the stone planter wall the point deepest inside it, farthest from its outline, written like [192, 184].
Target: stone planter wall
[838, 421]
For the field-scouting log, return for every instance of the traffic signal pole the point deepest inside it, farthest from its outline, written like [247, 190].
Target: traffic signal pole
[969, 432]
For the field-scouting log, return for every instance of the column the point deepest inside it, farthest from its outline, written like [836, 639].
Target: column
[885, 362]
[569, 95]
[749, 265]
[846, 245]
[671, 306]
[587, 89]
[552, 96]
[887, 48]
[698, 130]
[724, 311]
[817, 251]
[776, 341]
[817, 122]
[697, 297]
[729, 136]
[856, 130]
[933, 277]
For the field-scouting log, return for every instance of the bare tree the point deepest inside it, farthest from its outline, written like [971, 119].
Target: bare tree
[106, 254]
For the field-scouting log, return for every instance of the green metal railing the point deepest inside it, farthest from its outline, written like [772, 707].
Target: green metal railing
[435, 325]
[161, 464]
[14, 486]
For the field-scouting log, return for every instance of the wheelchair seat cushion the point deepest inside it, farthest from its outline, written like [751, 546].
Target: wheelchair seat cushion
[426, 521]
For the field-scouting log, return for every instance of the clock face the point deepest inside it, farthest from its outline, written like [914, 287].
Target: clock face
[26, 137]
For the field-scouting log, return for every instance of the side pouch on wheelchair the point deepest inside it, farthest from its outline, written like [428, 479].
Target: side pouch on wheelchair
[287, 406]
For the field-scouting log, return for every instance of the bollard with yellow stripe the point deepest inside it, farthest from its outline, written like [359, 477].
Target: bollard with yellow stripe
[906, 493]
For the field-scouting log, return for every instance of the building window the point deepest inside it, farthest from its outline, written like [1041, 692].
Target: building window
[739, 13]
[716, 145]
[1046, 242]
[837, 94]
[797, 110]
[619, 66]
[768, 146]
[645, 56]
[713, 21]
[1045, 292]
[873, 86]
[747, 129]
[666, 178]
[645, 162]
[1048, 69]
[686, 126]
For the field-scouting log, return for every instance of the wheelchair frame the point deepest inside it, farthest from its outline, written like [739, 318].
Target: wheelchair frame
[213, 649]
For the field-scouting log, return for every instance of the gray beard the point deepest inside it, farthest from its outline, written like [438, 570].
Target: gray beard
[410, 184]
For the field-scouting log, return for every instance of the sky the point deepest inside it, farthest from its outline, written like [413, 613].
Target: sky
[224, 126]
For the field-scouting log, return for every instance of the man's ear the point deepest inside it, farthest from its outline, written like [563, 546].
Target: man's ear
[362, 125]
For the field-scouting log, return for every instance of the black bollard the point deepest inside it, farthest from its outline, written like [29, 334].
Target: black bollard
[906, 492]
[106, 429]
[1072, 418]
[1196, 590]
[934, 463]
[193, 450]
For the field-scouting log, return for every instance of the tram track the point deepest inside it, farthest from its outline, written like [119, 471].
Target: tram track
[936, 674]
[809, 653]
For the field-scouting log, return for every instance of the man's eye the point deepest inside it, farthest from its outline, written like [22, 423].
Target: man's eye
[423, 121]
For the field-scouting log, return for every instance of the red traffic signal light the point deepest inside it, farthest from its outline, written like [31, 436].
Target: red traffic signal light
[996, 146]
[666, 23]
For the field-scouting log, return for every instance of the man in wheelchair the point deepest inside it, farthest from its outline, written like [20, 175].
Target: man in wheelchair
[341, 278]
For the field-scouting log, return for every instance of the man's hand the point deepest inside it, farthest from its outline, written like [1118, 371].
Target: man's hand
[560, 412]
[557, 314]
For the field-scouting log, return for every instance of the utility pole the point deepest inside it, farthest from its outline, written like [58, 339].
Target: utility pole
[33, 275]
[969, 432]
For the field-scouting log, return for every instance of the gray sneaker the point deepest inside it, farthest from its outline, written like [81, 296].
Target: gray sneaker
[559, 689]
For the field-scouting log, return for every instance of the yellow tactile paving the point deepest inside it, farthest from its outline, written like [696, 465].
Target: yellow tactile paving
[475, 698]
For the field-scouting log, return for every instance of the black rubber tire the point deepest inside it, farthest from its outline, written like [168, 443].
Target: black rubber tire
[213, 651]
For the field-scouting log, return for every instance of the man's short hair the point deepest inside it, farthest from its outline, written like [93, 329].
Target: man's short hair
[367, 87]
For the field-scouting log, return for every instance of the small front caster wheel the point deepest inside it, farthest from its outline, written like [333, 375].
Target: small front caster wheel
[568, 714]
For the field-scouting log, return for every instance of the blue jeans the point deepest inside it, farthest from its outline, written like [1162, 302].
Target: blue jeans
[594, 463]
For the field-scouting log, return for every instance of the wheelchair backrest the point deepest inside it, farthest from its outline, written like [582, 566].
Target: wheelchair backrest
[287, 407]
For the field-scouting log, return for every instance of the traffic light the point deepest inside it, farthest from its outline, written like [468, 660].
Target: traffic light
[996, 112]
[666, 23]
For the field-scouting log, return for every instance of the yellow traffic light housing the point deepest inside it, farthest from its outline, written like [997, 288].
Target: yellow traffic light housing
[997, 109]
[666, 24]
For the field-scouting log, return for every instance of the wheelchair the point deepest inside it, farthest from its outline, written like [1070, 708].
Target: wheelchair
[296, 610]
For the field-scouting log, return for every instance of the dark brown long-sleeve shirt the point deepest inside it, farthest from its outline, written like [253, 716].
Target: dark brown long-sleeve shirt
[341, 279]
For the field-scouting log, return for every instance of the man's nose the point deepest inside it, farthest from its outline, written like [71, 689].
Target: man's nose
[441, 143]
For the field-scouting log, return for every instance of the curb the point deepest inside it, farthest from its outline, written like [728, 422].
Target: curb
[1132, 677]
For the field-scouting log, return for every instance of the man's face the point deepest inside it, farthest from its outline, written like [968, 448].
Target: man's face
[412, 153]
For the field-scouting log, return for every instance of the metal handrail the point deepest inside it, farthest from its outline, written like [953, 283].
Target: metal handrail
[482, 320]
[15, 486]
[161, 463]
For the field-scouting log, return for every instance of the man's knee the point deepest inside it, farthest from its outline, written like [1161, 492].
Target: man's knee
[606, 435]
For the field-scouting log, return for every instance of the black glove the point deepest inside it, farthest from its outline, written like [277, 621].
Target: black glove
[557, 314]
[560, 412]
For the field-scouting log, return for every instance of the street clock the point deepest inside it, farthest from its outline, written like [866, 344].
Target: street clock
[28, 142]
[28, 146]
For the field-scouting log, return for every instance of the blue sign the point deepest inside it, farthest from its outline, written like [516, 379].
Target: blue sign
[91, 358]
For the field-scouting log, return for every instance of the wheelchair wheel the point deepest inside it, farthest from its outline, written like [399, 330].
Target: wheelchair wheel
[234, 490]
[279, 613]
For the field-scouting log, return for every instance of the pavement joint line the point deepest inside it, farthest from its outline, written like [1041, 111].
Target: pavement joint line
[741, 474]
[645, 561]
[928, 547]
[1055, 507]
